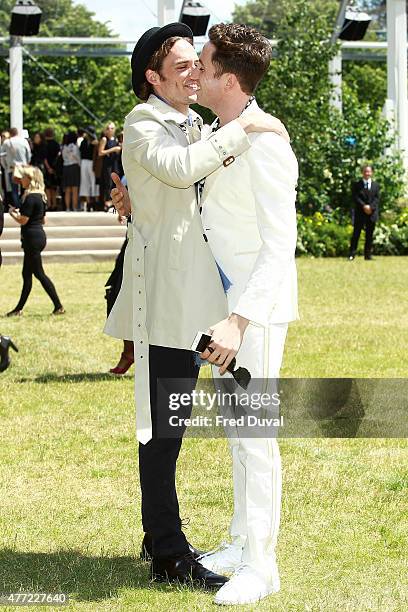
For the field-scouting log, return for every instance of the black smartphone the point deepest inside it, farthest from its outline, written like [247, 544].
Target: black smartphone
[200, 343]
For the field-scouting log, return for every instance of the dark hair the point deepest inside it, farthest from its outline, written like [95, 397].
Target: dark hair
[13, 132]
[41, 135]
[240, 50]
[49, 132]
[156, 63]
[70, 138]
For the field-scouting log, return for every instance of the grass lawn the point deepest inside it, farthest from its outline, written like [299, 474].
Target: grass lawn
[69, 509]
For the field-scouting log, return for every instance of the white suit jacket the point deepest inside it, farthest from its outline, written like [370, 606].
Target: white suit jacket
[249, 217]
[171, 287]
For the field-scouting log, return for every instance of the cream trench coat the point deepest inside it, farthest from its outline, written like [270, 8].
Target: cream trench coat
[171, 287]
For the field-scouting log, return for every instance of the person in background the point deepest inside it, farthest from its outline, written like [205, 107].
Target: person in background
[1, 189]
[71, 171]
[113, 285]
[121, 172]
[5, 178]
[17, 152]
[88, 190]
[109, 150]
[39, 151]
[31, 218]
[5, 344]
[80, 136]
[5, 341]
[97, 164]
[366, 198]
[50, 162]
[1, 222]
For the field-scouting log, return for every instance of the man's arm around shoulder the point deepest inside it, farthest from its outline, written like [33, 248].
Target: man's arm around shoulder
[150, 143]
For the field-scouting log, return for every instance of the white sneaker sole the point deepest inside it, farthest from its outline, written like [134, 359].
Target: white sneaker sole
[252, 600]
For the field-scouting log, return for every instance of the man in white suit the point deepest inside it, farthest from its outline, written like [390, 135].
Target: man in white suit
[249, 219]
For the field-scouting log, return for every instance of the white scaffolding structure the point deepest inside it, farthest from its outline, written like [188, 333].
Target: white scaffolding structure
[166, 11]
[396, 46]
[396, 107]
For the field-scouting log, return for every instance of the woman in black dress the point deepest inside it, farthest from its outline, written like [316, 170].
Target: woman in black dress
[51, 177]
[38, 151]
[5, 341]
[113, 285]
[31, 217]
[109, 149]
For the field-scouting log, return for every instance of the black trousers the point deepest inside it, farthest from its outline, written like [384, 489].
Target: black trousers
[34, 241]
[157, 458]
[362, 220]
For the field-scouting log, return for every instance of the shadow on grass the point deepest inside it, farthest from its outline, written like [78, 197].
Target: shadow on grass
[41, 316]
[93, 272]
[79, 377]
[82, 577]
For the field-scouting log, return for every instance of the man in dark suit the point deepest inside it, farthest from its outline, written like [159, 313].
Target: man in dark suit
[366, 197]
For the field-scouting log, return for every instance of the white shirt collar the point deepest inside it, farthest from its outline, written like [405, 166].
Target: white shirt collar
[170, 113]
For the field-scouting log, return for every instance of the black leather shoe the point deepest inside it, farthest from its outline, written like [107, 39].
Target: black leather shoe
[5, 343]
[369, 258]
[186, 570]
[146, 552]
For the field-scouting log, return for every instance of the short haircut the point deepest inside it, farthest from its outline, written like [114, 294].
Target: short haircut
[156, 64]
[13, 131]
[240, 50]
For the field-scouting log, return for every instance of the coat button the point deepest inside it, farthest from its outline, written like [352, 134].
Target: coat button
[228, 161]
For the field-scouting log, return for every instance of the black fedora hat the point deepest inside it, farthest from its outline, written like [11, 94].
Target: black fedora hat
[148, 44]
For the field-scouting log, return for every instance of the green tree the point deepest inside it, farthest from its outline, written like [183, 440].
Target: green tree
[368, 80]
[102, 84]
[330, 146]
[268, 15]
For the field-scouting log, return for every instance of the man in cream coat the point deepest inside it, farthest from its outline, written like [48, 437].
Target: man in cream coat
[171, 286]
[249, 217]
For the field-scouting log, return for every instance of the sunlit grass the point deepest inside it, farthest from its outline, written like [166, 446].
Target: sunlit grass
[69, 510]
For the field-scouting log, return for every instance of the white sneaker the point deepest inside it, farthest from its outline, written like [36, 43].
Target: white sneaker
[224, 560]
[246, 586]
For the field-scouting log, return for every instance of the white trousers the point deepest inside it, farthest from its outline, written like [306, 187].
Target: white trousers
[256, 462]
[88, 187]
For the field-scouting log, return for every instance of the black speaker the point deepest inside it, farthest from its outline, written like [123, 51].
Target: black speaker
[355, 26]
[196, 16]
[25, 19]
